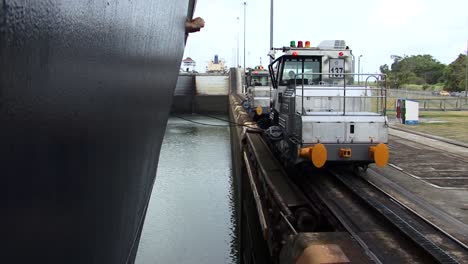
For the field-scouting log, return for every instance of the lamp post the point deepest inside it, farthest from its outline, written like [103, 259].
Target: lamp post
[238, 60]
[271, 28]
[466, 71]
[245, 5]
[359, 69]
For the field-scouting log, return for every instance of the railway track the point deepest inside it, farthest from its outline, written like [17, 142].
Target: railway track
[441, 246]
[386, 230]
[382, 241]
[439, 219]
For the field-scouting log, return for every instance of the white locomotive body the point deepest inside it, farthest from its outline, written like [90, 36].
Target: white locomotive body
[258, 95]
[322, 111]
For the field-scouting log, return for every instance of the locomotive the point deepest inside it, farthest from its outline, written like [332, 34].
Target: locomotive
[258, 95]
[323, 112]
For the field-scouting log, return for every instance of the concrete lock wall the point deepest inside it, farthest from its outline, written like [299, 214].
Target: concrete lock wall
[201, 93]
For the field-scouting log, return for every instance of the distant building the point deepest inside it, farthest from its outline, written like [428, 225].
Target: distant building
[188, 65]
[216, 65]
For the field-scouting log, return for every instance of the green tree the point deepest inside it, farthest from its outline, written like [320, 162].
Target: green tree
[455, 74]
[416, 69]
[392, 76]
[384, 69]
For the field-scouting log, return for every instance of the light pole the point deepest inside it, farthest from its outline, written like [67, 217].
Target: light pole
[359, 69]
[466, 70]
[245, 5]
[271, 28]
[238, 59]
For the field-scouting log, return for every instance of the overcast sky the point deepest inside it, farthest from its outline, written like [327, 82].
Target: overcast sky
[374, 28]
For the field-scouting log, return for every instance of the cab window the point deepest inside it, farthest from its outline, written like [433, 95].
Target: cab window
[295, 70]
[259, 80]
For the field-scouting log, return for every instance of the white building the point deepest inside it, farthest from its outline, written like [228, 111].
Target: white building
[188, 65]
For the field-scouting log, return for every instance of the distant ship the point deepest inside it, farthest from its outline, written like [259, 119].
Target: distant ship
[85, 93]
[216, 66]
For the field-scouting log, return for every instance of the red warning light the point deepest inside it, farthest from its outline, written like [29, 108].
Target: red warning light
[341, 54]
[307, 44]
[299, 44]
[294, 53]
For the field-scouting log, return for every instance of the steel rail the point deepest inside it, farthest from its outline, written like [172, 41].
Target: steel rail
[456, 240]
[258, 203]
[349, 229]
[396, 219]
[262, 170]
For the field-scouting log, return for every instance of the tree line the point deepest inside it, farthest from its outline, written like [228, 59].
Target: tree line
[426, 71]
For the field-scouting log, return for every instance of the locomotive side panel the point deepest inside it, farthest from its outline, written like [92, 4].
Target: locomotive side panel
[321, 132]
[366, 132]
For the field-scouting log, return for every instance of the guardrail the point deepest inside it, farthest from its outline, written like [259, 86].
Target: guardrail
[343, 82]
[435, 104]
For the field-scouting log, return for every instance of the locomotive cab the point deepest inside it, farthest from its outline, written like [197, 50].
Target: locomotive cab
[258, 94]
[326, 112]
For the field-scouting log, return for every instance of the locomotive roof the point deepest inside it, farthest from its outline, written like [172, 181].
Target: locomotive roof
[316, 51]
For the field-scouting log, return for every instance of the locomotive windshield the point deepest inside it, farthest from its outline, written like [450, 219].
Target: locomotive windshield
[294, 67]
[259, 80]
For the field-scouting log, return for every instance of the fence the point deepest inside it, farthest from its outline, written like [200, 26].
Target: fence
[427, 101]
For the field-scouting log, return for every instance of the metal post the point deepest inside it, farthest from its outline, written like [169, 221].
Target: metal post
[302, 93]
[344, 94]
[271, 28]
[466, 70]
[359, 69]
[238, 37]
[245, 5]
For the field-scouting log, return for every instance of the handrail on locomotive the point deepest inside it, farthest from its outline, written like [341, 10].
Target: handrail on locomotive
[379, 78]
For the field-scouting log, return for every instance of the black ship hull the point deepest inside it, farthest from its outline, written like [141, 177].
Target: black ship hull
[85, 93]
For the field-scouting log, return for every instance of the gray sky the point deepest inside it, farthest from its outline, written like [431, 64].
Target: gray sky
[374, 28]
